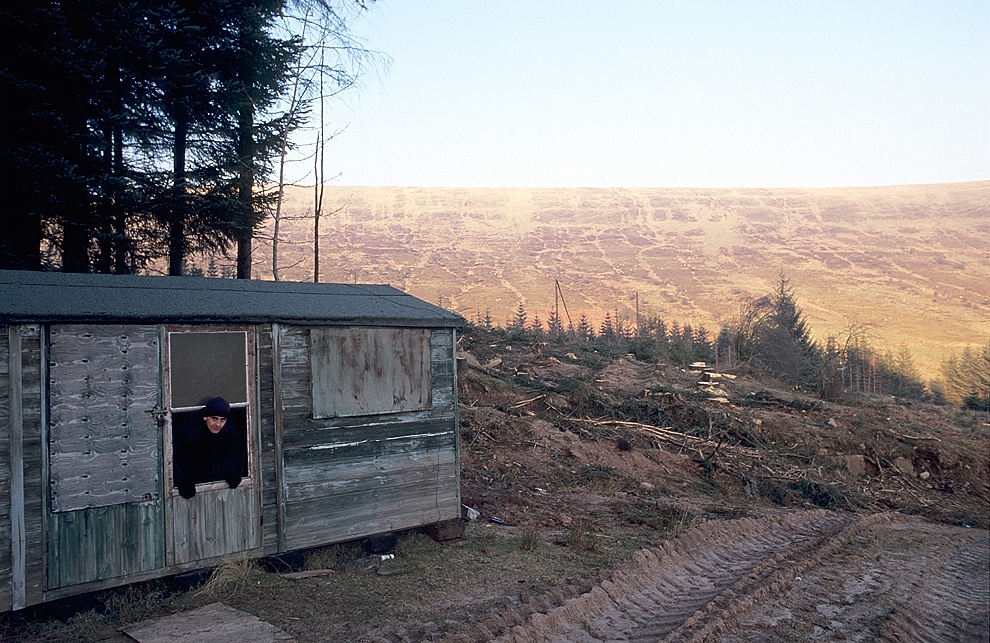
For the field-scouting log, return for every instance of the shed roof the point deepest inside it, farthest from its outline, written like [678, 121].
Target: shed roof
[61, 297]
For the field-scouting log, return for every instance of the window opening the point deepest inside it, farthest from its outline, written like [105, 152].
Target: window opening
[208, 378]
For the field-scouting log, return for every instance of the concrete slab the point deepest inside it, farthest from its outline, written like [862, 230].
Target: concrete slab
[210, 624]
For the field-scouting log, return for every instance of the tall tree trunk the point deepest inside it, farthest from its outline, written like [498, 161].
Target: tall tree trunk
[177, 216]
[317, 202]
[121, 243]
[20, 242]
[245, 185]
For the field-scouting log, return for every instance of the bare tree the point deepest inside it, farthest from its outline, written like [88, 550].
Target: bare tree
[333, 61]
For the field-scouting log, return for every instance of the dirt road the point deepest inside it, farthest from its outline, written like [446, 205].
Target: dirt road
[796, 576]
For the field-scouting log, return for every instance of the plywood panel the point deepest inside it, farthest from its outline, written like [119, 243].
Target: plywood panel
[103, 442]
[364, 371]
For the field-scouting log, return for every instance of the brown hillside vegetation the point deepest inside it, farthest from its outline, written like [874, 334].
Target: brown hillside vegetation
[620, 500]
[911, 260]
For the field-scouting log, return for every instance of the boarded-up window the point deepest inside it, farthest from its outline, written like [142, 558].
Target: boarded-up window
[103, 440]
[364, 371]
[205, 365]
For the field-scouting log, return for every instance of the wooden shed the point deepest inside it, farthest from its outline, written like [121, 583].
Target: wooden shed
[347, 395]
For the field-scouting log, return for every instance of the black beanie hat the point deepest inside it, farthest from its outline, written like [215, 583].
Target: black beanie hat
[217, 407]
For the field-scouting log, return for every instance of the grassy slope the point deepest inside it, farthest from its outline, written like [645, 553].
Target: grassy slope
[910, 260]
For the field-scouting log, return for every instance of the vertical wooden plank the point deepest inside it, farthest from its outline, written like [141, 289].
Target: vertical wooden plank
[27, 506]
[213, 523]
[5, 551]
[278, 433]
[17, 527]
[34, 415]
[100, 543]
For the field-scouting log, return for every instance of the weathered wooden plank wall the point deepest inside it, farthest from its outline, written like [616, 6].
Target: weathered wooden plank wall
[216, 523]
[103, 442]
[32, 412]
[348, 477]
[268, 392]
[5, 577]
[105, 542]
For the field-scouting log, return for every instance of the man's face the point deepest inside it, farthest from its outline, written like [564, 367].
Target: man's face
[214, 423]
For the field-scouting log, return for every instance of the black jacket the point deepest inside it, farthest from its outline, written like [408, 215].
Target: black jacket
[200, 456]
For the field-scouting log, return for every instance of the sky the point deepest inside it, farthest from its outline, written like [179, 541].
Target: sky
[668, 93]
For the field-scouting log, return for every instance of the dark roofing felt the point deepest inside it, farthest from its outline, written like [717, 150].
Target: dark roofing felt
[61, 297]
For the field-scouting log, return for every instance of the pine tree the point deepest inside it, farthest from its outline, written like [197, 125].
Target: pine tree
[518, 322]
[607, 329]
[555, 328]
[584, 331]
[537, 325]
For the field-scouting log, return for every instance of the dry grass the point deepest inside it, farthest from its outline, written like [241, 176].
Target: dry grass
[530, 539]
[581, 536]
[230, 576]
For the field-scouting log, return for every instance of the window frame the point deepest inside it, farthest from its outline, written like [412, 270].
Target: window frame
[248, 481]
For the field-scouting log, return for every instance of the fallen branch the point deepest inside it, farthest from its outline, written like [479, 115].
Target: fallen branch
[525, 402]
[677, 438]
[312, 573]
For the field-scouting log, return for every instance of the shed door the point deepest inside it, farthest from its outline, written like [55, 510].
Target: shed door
[104, 456]
[218, 520]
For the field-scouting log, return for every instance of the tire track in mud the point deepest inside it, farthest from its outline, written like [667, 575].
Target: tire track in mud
[797, 576]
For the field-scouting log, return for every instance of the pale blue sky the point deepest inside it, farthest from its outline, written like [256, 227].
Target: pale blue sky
[658, 93]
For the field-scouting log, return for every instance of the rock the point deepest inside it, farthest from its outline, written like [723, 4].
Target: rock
[924, 475]
[904, 465]
[832, 423]
[646, 485]
[856, 464]
[468, 358]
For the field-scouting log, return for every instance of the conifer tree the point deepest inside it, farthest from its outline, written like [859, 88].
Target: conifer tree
[555, 328]
[607, 329]
[519, 321]
[584, 330]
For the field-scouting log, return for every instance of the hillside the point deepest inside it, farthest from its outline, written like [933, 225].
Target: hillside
[911, 260]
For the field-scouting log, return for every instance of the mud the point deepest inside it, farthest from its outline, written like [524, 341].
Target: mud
[813, 576]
